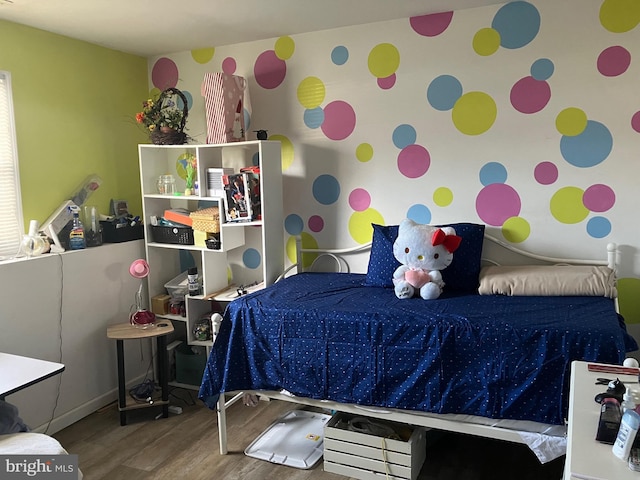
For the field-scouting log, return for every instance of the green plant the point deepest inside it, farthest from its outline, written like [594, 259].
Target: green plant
[160, 113]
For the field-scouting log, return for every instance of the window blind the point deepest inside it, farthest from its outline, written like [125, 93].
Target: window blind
[11, 223]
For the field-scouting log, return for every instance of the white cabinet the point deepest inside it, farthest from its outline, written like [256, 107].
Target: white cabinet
[250, 252]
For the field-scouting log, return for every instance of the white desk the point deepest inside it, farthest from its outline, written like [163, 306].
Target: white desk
[18, 372]
[587, 458]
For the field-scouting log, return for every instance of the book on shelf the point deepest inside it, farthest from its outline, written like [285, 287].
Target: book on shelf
[252, 181]
[178, 215]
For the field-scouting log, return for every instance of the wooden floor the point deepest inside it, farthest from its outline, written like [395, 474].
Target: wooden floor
[185, 447]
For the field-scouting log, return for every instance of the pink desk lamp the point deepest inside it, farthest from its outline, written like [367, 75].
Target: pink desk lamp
[140, 317]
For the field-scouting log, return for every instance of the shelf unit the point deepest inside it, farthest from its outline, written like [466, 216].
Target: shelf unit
[262, 241]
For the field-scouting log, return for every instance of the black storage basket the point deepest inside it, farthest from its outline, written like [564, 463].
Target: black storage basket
[175, 235]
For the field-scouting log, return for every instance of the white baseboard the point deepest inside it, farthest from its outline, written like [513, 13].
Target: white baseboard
[62, 421]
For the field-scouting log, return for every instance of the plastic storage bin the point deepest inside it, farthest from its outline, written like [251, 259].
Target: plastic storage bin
[178, 286]
[173, 235]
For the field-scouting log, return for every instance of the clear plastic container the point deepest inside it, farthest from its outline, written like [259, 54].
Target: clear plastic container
[166, 184]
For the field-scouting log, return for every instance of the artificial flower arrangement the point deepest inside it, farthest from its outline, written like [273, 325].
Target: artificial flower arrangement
[163, 118]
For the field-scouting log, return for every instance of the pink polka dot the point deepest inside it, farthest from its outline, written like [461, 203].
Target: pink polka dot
[614, 61]
[316, 223]
[635, 121]
[414, 161]
[529, 95]
[359, 199]
[269, 70]
[431, 25]
[164, 74]
[229, 65]
[387, 83]
[546, 173]
[598, 198]
[496, 203]
[339, 120]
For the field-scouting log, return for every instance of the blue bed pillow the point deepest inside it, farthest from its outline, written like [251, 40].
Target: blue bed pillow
[382, 263]
[462, 274]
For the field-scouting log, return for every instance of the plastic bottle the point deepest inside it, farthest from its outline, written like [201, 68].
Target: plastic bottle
[626, 435]
[627, 401]
[192, 280]
[33, 244]
[76, 236]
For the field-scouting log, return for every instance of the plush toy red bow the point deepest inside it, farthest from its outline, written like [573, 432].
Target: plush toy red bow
[450, 242]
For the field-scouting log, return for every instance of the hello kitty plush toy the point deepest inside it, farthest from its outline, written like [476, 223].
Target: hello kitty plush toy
[423, 250]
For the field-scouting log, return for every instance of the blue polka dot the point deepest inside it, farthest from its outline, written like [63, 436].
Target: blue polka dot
[247, 120]
[419, 214]
[493, 172]
[443, 92]
[326, 189]
[589, 148]
[293, 224]
[598, 227]
[542, 69]
[517, 23]
[340, 55]
[251, 258]
[314, 117]
[403, 136]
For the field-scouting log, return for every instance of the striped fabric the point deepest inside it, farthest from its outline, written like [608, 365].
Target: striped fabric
[224, 98]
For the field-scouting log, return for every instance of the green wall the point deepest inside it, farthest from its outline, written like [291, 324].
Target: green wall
[75, 106]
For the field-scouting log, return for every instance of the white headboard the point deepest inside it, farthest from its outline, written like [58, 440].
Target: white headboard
[494, 252]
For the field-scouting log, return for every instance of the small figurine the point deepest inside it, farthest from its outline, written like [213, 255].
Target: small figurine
[261, 134]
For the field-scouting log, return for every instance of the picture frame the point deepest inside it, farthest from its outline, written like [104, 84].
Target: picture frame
[236, 201]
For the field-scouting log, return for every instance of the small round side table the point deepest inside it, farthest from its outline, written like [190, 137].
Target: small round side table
[126, 331]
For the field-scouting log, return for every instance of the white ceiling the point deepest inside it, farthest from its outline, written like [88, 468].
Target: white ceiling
[152, 27]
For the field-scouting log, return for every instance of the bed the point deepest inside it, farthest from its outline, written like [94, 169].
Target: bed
[490, 357]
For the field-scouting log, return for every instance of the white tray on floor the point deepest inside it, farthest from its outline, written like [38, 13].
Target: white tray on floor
[295, 439]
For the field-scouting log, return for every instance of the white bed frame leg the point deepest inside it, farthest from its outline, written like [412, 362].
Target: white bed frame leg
[222, 418]
[222, 424]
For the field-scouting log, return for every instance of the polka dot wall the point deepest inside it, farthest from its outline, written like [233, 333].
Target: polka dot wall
[524, 116]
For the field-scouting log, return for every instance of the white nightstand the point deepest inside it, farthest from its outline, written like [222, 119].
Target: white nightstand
[587, 458]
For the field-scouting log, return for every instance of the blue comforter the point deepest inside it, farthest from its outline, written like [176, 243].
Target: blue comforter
[328, 336]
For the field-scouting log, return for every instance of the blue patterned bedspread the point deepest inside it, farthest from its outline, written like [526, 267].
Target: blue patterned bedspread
[327, 336]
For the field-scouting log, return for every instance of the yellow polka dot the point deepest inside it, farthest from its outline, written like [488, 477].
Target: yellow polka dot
[203, 55]
[285, 46]
[307, 242]
[571, 121]
[286, 148]
[311, 92]
[364, 152]
[360, 227]
[567, 206]
[486, 42]
[443, 197]
[516, 229]
[474, 113]
[629, 299]
[619, 16]
[384, 60]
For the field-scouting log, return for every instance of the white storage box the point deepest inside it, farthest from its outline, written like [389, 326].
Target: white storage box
[215, 186]
[370, 457]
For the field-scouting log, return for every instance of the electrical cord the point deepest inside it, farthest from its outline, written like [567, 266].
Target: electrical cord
[143, 392]
[55, 404]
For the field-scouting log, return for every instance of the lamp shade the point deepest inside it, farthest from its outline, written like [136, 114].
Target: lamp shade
[139, 268]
